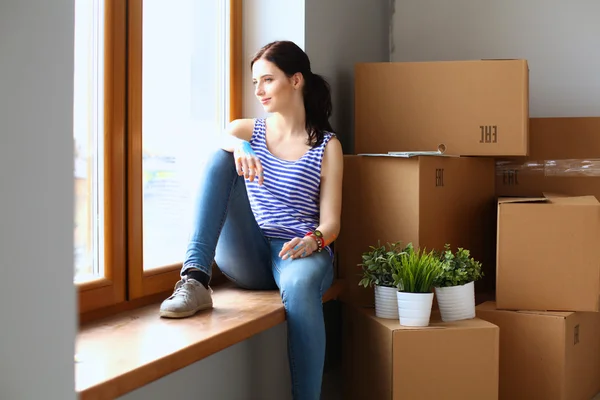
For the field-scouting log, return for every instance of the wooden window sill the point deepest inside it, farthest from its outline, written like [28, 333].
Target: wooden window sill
[124, 352]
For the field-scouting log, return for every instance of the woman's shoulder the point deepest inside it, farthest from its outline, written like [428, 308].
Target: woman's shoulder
[241, 128]
[333, 148]
[328, 138]
[332, 142]
[333, 158]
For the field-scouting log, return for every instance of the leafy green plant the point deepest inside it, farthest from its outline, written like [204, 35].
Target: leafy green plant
[377, 265]
[458, 268]
[416, 270]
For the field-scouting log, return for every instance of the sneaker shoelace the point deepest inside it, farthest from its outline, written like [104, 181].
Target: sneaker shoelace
[182, 291]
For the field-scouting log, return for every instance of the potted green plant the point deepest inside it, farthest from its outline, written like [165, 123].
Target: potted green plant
[415, 271]
[377, 272]
[455, 286]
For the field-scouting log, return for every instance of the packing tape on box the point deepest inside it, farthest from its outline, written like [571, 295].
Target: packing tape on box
[562, 168]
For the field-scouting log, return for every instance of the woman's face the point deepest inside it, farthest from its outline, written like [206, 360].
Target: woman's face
[272, 87]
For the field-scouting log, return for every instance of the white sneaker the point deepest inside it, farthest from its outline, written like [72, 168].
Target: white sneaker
[189, 297]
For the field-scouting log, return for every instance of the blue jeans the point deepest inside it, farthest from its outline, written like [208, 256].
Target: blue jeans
[225, 230]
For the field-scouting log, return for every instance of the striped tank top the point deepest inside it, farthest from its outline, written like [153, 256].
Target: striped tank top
[287, 203]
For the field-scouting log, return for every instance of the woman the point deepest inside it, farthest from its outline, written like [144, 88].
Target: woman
[268, 213]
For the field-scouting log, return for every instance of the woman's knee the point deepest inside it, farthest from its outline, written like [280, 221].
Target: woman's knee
[295, 282]
[220, 160]
[304, 279]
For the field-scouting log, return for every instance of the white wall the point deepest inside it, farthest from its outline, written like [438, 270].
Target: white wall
[265, 21]
[561, 40]
[37, 298]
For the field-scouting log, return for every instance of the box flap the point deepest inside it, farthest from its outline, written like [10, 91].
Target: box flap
[491, 306]
[573, 200]
[503, 59]
[552, 198]
[503, 200]
[560, 314]
[550, 195]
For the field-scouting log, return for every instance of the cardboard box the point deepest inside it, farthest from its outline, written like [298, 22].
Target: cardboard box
[546, 355]
[472, 108]
[548, 255]
[564, 157]
[384, 360]
[428, 201]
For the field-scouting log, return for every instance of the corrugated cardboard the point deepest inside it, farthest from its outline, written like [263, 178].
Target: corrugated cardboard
[475, 108]
[564, 157]
[548, 255]
[546, 355]
[384, 360]
[426, 200]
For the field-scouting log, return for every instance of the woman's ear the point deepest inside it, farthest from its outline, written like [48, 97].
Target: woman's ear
[297, 80]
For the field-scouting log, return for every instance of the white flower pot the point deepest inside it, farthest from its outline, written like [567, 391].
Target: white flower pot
[414, 309]
[456, 302]
[386, 303]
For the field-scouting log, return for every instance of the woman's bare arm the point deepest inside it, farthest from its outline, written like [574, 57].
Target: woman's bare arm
[237, 131]
[332, 171]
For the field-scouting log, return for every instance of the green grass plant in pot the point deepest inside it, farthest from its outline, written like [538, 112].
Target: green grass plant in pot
[377, 272]
[415, 271]
[455, 286]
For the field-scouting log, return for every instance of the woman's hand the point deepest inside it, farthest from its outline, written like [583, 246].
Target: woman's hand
[298, 248]
[247, 163]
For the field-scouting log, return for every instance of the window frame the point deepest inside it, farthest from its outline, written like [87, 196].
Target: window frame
[126, 284]
[110, 289]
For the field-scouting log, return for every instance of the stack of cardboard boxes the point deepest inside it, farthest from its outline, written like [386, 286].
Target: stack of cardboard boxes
[476, 115]
[470, 111]
[548, 264]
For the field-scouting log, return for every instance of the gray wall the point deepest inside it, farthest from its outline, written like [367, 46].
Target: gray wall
[232, 374]
[561, 40]
[37, 298]
[340, 33]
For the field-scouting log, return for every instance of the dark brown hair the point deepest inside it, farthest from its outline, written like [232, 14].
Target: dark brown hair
[290, 58]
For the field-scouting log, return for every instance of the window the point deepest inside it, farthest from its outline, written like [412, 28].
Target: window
[99, 140]
[153, 91]
[88, 126]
